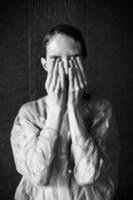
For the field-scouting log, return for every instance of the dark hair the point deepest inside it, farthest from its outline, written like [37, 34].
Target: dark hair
[65, 30]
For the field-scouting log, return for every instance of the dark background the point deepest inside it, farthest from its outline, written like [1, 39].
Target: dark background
[107, 28]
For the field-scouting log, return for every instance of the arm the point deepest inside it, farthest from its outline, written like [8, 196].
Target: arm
[33, 149]
[96, 149]
[96, 156]
[83, 149]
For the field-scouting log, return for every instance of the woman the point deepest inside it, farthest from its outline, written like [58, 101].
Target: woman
[65, 144]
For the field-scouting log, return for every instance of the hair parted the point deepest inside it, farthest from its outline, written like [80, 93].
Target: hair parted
[65, 30]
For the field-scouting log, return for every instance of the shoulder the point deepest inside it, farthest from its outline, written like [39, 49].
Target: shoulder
[100, 103]
[32, 108]
[102, 118]
[97, 105]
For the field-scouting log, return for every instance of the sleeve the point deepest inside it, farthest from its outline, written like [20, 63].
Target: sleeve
[33, 149]
[96, 161]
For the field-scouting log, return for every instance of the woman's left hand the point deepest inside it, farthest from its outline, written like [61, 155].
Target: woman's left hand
[77, 82]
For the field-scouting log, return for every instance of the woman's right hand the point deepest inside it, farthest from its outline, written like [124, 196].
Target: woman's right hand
[55, 84]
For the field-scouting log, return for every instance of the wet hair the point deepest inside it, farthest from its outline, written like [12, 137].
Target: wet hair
[67, 30]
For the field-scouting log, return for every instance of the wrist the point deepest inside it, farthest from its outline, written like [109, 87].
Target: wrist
[54, 119]
[72, 109]
[55, 110]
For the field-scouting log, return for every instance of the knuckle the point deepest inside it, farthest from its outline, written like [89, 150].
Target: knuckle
[51, 88]
[56, 92]
[46, 86]
[82, 86]
[77, 89]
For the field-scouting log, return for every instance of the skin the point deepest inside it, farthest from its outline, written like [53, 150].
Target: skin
[64, 58]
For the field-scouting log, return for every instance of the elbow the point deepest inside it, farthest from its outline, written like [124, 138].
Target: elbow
[40, 179]
[39, 169]
[81, 181]
[85, 175]
[37, 178]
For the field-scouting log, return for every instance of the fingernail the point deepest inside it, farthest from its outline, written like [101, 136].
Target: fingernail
[70, 61]
[57, 61]
[70, 69]
[78, 58]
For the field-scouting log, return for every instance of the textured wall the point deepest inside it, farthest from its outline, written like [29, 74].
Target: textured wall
[14, 85]
[107, 30]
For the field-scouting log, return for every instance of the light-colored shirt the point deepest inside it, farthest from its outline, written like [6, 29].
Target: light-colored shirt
[48, 164]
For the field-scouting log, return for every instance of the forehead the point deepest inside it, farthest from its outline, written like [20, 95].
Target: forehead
[62, 45]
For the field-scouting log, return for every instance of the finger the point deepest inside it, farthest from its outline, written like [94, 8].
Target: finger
[79, 62]
[50, 72]
[76, 80]
[57, 87]
[62, 75]
[70, 77]
[55, 75]
[80, 80]
[76, 84]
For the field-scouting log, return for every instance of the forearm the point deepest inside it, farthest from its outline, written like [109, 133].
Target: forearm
[33, 158]
[78, 133]
[34, 154]
[54, 119]
[84, 150]
[48, 137]
[97, 166]
[77, 128]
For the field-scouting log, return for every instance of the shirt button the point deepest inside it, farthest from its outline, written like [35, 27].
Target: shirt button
[69, 171]
[42, 118]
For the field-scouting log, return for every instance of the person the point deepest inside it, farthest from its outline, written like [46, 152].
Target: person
[65, 144]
